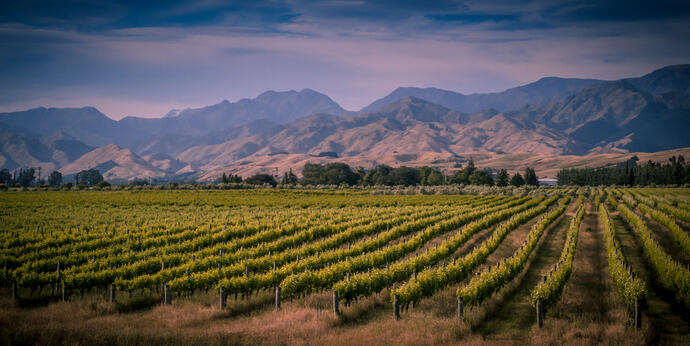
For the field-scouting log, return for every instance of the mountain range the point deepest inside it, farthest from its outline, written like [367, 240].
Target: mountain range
[277, 131]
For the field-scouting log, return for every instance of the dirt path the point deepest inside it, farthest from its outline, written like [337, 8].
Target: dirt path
[668, 243]
[589, 311]
[583, 296]
[670, 321]
[510, 316]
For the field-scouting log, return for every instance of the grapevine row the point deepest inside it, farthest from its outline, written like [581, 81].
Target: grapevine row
[377, 279]
[672, 274]
[549, 291]
[630, 288]
[428, 282]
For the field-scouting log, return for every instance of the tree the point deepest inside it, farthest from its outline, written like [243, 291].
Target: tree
[424, 173]
[463, 176]
[260, 179]
[470, 167]
[481, 178]
[502, 179]
[55, 178]
[675, 172]
[434, 178]
[403, 176]
[377, 176]
[517, 180]
[224, 179]
[26, 176]
[531, 177]
[459, 177]
[337, 173]
[6, 177]
[89, 177]
[289, 178]
[313, 174]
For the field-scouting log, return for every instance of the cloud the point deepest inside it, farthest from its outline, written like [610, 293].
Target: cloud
[184, 53]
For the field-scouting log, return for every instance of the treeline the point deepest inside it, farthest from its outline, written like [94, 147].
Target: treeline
[25, 177]
[675, 172]
[339, 173]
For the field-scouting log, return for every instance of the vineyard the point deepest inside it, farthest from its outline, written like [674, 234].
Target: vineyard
[325, 266]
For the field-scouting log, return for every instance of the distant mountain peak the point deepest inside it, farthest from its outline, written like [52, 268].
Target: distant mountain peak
[172, 113]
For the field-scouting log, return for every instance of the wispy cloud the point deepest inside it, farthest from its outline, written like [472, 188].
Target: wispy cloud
[141, 58]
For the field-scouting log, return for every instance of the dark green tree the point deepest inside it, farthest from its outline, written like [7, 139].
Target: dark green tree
[517, 180]
[403, 176]
[434, 178]
[313, 174]
[479, 177]
[55, 178]
[260, 179]
[289, 178]
[6, 177]
[377, 176]
[502, 178]
[89, 177]
[424, 173]
[27, 176]
[531, 177]
[337, 173]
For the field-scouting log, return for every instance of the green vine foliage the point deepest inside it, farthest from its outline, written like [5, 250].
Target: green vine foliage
[492, 280]
[672, 274]
[549, 291]
[630, 288]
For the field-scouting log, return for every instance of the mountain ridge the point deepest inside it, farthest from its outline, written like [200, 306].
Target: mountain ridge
[647, 113]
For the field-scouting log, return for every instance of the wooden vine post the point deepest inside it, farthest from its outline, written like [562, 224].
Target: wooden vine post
[540, 313]
[223, 298]
[336, 309]
[277, 298]
[638, 314]
[460, 308]
[111, 293]
[166, 294]
[396, 306]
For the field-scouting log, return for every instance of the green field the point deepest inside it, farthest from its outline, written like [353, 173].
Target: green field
[205, 267]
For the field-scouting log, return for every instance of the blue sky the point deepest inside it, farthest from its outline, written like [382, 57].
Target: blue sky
[144, 58]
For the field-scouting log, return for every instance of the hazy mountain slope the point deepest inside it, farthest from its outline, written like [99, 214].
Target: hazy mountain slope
[164, 163]
[278, 107]
[545, 90]
[664, 80]
[613, 112]
[48, 152]
[407, 126]
[174, 144]
[18, 150]
[502, 133]
[114, 163]
[85, 124]
[566, 116]
[93, 127]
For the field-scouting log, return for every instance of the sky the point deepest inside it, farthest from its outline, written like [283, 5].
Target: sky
[143, 58]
